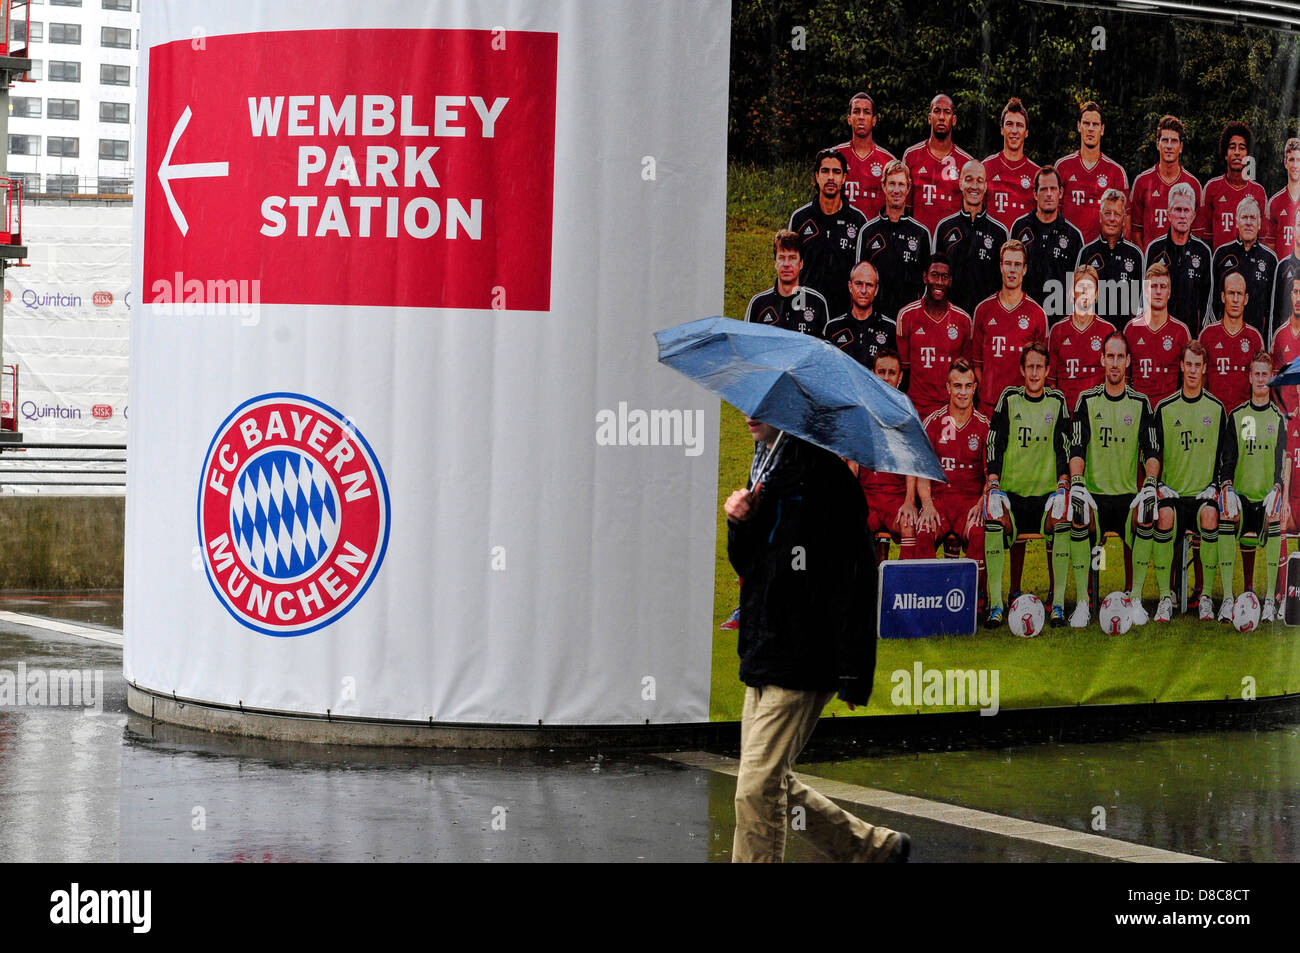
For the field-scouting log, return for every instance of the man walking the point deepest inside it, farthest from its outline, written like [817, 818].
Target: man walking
[806, 631]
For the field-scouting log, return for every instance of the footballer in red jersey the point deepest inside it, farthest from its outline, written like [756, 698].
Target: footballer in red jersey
[1155, 340]
[1292, 518]
[1282, 207]
[1075, 342]
[864, 160]
[1217, 220]
[1086, 174]
[1149, 202]
[1010, 173]
[1004, 324]
[1286, 348]
[959, 434]
[932, 333]
[1229, 346]
[935, 165]
[890, 496]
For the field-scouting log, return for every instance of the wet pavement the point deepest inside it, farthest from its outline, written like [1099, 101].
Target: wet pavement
[109, 786]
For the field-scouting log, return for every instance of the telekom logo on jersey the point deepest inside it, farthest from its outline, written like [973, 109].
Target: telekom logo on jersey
[354, 167]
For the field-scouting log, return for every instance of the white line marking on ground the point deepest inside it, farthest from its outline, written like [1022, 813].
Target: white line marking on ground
[68, 628]
[956, 816]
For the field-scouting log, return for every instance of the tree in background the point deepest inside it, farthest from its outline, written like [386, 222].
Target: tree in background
[795, 63]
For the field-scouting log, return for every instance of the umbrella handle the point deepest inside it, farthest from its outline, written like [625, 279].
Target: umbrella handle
[762, 476]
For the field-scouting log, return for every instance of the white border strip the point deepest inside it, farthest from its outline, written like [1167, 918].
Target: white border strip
[956, 816]
[67, 628]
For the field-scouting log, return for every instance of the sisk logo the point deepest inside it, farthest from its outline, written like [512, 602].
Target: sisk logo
[293, 514]
[102, 299]
[102, 411]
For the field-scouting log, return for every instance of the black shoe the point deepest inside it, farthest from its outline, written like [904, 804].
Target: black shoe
[994, 619]
[902, 849]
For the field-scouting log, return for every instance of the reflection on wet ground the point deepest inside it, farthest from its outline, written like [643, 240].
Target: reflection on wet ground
[112, 785]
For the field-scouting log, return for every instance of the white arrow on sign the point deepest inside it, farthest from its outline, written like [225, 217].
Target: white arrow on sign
[193, 170]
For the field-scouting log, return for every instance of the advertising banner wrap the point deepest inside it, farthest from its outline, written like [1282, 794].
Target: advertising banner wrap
[399, 266]
[66, 325]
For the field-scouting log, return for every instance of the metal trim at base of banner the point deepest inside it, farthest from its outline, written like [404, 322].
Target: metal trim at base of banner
[333, 730]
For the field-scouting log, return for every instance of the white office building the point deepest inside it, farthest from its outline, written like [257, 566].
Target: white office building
[72, 127]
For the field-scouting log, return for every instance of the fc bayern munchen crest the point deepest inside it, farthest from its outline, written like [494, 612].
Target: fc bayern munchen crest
[293, 514]
[911, 244]
[973, 443]
[876, 170]
[851, 231]
[952, 333]
[1245, 347]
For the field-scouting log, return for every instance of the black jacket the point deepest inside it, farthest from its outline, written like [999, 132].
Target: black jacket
[808, 579]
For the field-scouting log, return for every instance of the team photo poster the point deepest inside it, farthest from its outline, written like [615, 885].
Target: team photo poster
[1067, 233]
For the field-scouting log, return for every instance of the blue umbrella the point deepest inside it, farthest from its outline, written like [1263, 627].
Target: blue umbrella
[1290, 374]
[805, 386]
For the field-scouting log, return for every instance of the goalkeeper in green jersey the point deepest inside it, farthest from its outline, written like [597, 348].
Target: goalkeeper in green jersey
[1259, 429]
[1027, 488]
[1198, 457]
[1114, 439]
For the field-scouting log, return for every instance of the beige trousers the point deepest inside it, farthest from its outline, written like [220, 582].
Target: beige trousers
[775, 726]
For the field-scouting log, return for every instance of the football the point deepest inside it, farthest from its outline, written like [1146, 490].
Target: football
[1115, 614]
[1025, 617]
[1245, 612]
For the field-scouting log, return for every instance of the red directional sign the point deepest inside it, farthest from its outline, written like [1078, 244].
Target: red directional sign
[352, 167]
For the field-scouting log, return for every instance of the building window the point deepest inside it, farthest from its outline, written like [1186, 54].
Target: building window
[66, 146]
[63, 109]
[65, 33]
[65, 3]
[115, 37]
[30, 180]
[114, 112]
[24, 145]
[37, 71]
[113, 149]
[117, 5]
[114, 186]
[26, 107]
[62, 72]
[61, 184]
[111, 75]
[18, 31]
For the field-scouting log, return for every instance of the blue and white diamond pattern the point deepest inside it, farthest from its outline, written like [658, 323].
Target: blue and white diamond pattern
[283, 514]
